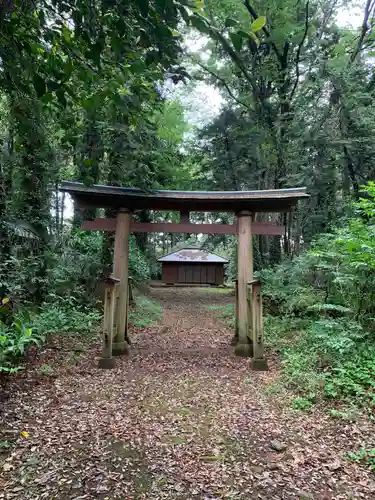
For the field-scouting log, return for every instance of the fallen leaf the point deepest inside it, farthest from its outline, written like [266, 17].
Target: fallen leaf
[278, 446]
[213, 458]
[334, 465]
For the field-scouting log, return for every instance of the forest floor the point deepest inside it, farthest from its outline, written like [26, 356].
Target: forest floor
[180, 418]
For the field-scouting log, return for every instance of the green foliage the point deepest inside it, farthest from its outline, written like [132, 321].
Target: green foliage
[15, 340]
[283, 331]
[364, 456]
[4, 445]
[288, 286]
[353, 378]
[334, 340]
[225, 312]
[303, 404]
[81, 53]
[90, 100]
[350, 415]
[58, 318]
[325, 305]
[139, 267]
[337, 414]
[300, 372]
[80, 100]
[285, 120]
[275, 388]
[146, 312]
[31, 330]
[216, 290]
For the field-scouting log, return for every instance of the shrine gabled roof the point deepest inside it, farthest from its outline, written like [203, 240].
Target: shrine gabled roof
[270, 200]
[193, 255]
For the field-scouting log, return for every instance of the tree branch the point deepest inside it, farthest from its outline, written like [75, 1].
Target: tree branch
[224, 83]
[298, 55]
[370, 4]
[233, 55]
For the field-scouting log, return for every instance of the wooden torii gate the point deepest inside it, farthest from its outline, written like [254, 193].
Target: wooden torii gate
[249, 324]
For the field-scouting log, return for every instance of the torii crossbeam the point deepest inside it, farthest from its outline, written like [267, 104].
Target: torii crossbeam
[242, 203]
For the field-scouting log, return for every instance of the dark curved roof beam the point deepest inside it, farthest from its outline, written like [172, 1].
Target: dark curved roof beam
[271, 200]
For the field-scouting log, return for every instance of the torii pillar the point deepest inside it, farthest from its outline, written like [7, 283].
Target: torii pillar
[249, 303]
[121, 272]
[244, 345]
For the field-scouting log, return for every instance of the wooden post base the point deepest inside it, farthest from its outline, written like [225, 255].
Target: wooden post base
[107, 363]
[234, 340]
[244, 350]
[120, 348]
[259, 365]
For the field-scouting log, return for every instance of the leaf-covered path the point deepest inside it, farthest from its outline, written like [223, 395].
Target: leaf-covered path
[180, 418]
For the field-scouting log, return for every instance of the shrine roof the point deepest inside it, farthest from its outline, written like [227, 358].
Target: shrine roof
[193, 255]
[270, 200]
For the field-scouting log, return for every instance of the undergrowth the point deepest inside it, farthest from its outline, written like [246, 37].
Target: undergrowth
[145, 312]
[364, 456]
[323, 313]
[320, 314]
[225, 312]
[25, 329]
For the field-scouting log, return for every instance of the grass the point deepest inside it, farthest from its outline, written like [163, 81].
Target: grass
[275, 388]
[351, 414]
[225, 312]
[146, 312]
[216, 290]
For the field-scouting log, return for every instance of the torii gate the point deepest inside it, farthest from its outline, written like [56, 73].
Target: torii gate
[249, 324]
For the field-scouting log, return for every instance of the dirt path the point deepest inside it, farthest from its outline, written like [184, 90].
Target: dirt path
[180, 418]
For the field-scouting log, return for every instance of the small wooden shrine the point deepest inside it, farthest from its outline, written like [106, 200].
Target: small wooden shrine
[192, 266]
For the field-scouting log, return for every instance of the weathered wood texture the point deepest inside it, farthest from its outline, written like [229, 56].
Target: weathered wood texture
[109, 310]
[271, 200]
[262, 228]
[234, 340]
[120, 270]
[107, 360]
[245, 273]
[258, 363]
[184, 217]
[193, 273]
[255, 296]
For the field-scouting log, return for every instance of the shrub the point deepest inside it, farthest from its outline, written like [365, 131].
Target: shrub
[333, 340]
[282, 331]
[303, 404]
[355, 378]
[57, 318]
[300, 374]
[350, 415]
[326, 308]
[139, 268]
[14, 343]
[31, 329]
